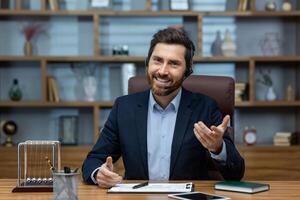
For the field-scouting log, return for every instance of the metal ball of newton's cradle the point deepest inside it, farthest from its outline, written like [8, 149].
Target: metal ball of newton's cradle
[9, 128]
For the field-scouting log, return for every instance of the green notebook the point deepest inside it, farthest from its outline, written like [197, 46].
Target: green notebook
[239, 186]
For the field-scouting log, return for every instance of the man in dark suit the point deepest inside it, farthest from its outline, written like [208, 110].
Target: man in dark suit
[166, 132]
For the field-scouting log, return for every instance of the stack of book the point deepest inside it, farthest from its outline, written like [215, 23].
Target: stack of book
[285, 139]
[239, 91]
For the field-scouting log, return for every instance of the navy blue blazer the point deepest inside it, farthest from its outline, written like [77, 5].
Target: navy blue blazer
[125, 134]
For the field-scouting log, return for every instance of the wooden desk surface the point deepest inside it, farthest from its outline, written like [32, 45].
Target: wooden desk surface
[279, 190]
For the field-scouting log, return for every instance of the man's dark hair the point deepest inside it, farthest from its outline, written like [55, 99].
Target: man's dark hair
[174, 36]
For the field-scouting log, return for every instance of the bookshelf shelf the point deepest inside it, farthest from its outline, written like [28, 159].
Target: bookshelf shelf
[41, 104]
[267, 104]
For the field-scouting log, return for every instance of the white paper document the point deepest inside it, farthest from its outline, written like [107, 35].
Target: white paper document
[152, 188]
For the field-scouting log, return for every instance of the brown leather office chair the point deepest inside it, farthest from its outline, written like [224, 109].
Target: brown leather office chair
[219, 88]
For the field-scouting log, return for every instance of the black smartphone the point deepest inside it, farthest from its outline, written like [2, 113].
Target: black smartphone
[197, 196]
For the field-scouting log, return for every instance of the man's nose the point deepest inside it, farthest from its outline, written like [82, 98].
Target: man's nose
[163, 69]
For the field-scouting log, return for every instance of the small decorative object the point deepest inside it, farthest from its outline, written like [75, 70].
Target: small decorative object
[216, 46]
[101, 4]
[290, 93]
[128, 70]
[271, 95]
[286, 5]
[15, 92]
[267, 81]
[9, 128]
[68, 130]
[125, 50]
[120, 50]
[270, 6]
[90, 87]
[271, 44]
[228, 46]
[85, 74]
[179, 5]
[37, 160]
[30, 31]
[249, 136]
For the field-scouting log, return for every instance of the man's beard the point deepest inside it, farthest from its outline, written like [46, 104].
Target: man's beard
[165, 91]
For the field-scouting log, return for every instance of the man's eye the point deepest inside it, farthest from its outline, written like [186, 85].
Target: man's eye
[174, 64]
[157, 61]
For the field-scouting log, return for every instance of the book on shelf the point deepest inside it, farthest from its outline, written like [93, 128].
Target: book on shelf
[53, 92]
[285, 138]
[53, 4]
[242, 186]
[239, 91]
[49, 90]
[242, 5]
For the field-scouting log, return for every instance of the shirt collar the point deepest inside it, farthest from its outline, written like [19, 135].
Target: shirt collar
[174, 104]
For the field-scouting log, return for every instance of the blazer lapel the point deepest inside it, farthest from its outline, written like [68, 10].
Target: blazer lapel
[141, 128]
[183, 116]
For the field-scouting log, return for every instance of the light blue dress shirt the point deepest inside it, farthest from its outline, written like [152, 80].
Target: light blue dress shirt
[160, 130]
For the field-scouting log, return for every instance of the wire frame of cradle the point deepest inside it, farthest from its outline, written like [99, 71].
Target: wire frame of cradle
[34, 160]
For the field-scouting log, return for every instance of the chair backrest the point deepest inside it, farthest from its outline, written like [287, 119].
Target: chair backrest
[217, 87]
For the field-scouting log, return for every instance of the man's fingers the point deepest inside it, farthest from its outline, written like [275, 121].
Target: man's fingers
[201, 127]
[106, 172]
[105, 180]
[109, 163]
[216, 131]
[205, 141]
[225, 121]
[108, 180]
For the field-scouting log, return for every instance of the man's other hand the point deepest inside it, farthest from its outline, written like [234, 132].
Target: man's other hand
[106, 178]
[212, 138]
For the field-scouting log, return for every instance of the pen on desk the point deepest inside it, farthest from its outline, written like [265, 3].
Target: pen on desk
[140, 185]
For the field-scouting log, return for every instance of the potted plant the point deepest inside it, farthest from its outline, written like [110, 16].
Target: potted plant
[30, 31]
[267, 81]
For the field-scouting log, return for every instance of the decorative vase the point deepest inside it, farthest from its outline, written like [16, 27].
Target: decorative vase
[271, 95]
[216, 46]
[28, 48]
[90, 87]
[15, 93]
[270, 6]
[286, 6]
[290, 93]
[228, 46]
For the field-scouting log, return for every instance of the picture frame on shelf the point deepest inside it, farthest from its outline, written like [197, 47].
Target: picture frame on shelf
[179, 5]
[68, 130]
[100, 4]
[4, 4]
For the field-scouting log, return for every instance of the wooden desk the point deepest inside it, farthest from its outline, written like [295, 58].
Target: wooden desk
[279, 190]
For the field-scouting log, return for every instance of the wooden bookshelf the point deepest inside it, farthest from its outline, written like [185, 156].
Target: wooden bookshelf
[271, 162]
[248, 63]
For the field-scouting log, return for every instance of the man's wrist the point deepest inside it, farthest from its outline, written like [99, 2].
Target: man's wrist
[218, 150]
[94, 175]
